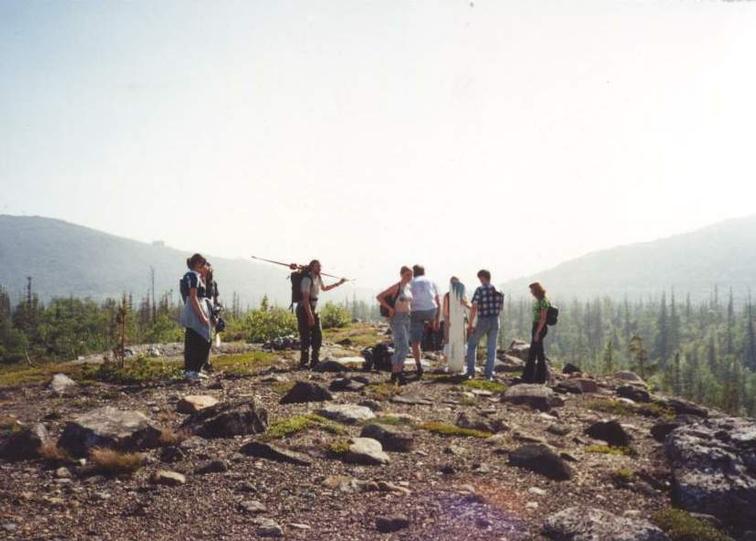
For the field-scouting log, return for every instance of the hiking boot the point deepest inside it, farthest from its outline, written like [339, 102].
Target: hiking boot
[394, 377]
[315, 359]
[402, 379]
[304, 359]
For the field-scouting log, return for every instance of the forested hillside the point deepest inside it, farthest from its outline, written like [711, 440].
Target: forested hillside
[705, 350]
[723, 254]
[65, 260]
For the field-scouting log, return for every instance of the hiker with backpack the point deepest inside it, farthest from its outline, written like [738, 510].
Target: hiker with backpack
[425, 309]
[396, 305]
[307, 284]
[544, 314]
[195, 317]
[484, 321]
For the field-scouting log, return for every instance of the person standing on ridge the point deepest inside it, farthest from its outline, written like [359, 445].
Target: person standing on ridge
[308, 320]
[486, 305]
[195, 317]
[535, 367]
[396, 301]
[425, 308]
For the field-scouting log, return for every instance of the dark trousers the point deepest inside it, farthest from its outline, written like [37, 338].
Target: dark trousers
[309, 337]
[196, 351]
[535, 367]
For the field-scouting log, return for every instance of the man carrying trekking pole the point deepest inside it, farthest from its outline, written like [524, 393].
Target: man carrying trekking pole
[308, 321]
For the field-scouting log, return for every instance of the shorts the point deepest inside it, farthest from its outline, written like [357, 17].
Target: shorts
[418, 320]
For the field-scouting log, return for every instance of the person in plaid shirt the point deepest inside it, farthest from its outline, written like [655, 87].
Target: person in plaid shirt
[486, 305]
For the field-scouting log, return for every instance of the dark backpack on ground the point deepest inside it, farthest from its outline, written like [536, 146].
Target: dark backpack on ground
[378, 358]
[552, 315]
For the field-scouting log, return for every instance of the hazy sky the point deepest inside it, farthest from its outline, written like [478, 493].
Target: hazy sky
[507, 135]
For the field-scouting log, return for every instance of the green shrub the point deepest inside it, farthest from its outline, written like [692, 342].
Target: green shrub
[333, 316]
[681, 526]
[263, 325]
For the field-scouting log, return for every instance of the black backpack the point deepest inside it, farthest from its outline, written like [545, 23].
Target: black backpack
[391, 301]
[296, 285]
[552, 315]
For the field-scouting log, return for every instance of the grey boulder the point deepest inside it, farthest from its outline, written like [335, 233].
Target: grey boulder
[591, 524]
[111, 428]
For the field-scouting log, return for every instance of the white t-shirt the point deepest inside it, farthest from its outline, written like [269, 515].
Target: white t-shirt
[424, 293]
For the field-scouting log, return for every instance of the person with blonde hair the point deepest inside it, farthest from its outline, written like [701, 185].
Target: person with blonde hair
[396, 302]
[535, 367]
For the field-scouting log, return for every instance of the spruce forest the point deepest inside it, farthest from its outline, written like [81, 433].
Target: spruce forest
[704, 351]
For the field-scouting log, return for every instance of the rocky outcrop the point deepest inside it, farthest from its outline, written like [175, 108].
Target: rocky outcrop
[541, 459]
[111, 428]
[269, 451]
[536, 396]
[714, 469]
[306, 391]
[228, 419]
[609, 431]
[194, 403]
[391, 438]
[61, 384]
[591, 524]
[346, 413]
[24, 444]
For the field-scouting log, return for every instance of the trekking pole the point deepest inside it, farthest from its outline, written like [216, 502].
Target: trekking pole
[297, 266]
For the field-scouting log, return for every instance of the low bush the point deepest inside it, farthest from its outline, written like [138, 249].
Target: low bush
[485, 385]
[299, 423]
[333, 316]
[609, 450]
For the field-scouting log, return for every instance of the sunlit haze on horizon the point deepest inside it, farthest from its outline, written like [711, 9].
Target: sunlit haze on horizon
[457, 134]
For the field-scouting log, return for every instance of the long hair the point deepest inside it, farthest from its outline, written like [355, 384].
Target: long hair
[457, 287]
[311, 264]
[537, 290]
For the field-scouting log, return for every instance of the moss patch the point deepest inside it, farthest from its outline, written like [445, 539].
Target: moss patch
[392, 420]
[681, 526]
[243, 364]
[299, 423]
[446, 429]
[485, 385]
[15, 375]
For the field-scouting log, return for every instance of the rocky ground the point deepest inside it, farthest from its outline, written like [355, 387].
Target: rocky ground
[339, 454]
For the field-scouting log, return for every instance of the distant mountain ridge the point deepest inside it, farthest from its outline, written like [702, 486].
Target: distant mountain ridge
[65, 259]
[723, 255]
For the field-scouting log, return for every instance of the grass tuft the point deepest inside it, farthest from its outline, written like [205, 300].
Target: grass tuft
[608, 450]
[134, 372]
[50, 452]
[681, 526]
[339, 447]
[615, 407]
[382, 391]
[361, 335]
[244, 364]
[447, 429]
[116, 463]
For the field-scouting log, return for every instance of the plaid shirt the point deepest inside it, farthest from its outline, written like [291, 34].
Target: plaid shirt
[489, 301]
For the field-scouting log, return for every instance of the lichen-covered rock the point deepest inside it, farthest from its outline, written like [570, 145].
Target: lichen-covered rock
[536, 396]
[591, 524]
[391, 438]
[714, 469]
[541, 459]
[346, 413]
[306, 391]
[111, 428]
[229, 419]
[194, 403]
